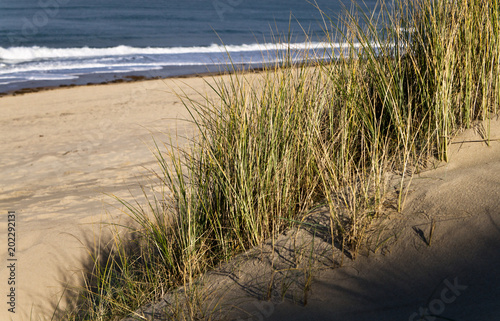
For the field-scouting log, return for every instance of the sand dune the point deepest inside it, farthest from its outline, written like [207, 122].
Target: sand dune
[61, 150]
[455, 278]
[449, 274]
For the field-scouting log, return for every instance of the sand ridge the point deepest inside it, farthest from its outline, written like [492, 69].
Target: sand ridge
[453, 278]
[449, 273]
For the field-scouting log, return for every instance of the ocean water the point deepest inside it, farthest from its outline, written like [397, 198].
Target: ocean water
[64, 42]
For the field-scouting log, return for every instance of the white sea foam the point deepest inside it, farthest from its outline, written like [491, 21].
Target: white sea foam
[43, 63]
[51, 77]
[74, 67]
[36, 53]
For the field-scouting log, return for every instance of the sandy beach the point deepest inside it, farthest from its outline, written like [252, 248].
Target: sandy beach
[62, 151]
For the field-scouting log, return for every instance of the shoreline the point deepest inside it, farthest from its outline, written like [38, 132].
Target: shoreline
[95, 80]
[180, 72]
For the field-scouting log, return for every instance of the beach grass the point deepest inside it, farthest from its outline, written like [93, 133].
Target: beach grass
[274, 145]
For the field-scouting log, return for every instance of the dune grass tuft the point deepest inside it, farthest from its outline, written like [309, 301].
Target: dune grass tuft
[282, 141]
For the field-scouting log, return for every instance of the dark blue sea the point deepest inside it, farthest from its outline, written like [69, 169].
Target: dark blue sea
[64, 42]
